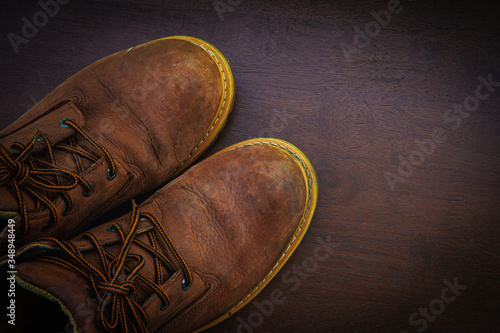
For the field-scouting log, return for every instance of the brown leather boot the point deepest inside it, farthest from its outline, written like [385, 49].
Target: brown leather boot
[191, 255]
[120, 127]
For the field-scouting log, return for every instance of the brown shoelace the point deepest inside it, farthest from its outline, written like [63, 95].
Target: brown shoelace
[114, 286]
[24, 173]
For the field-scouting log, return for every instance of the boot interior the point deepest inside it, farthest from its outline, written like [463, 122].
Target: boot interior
[35, 313]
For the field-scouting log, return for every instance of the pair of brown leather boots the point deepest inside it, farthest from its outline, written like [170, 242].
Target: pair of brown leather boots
[188, 257]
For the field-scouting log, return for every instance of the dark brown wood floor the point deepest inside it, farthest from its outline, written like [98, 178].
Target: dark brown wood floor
[405, 106]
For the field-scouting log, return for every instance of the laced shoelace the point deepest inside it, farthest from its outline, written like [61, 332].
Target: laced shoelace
[22, 172]
[114, 287]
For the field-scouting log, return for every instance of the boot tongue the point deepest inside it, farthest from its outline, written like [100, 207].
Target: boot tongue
[50, 125]
[9, 204]
[112, 243]
[71, 290]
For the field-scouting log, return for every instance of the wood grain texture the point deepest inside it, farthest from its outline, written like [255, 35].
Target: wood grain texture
[354, 118]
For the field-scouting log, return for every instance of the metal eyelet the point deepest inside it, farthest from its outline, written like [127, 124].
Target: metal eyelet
[88, 194]
[184, 287]
[46, 226]
[111, 176]
[163, 307]
[62, 122]
[111, 227]
[66, 210]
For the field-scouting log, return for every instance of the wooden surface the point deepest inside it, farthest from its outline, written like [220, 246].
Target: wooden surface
[392, 250]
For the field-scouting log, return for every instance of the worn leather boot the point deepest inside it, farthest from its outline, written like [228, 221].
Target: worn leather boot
[191, 255]
[120, 127]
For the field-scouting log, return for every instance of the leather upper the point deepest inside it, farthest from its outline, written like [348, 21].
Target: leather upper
[150, 106]
[232, 217]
